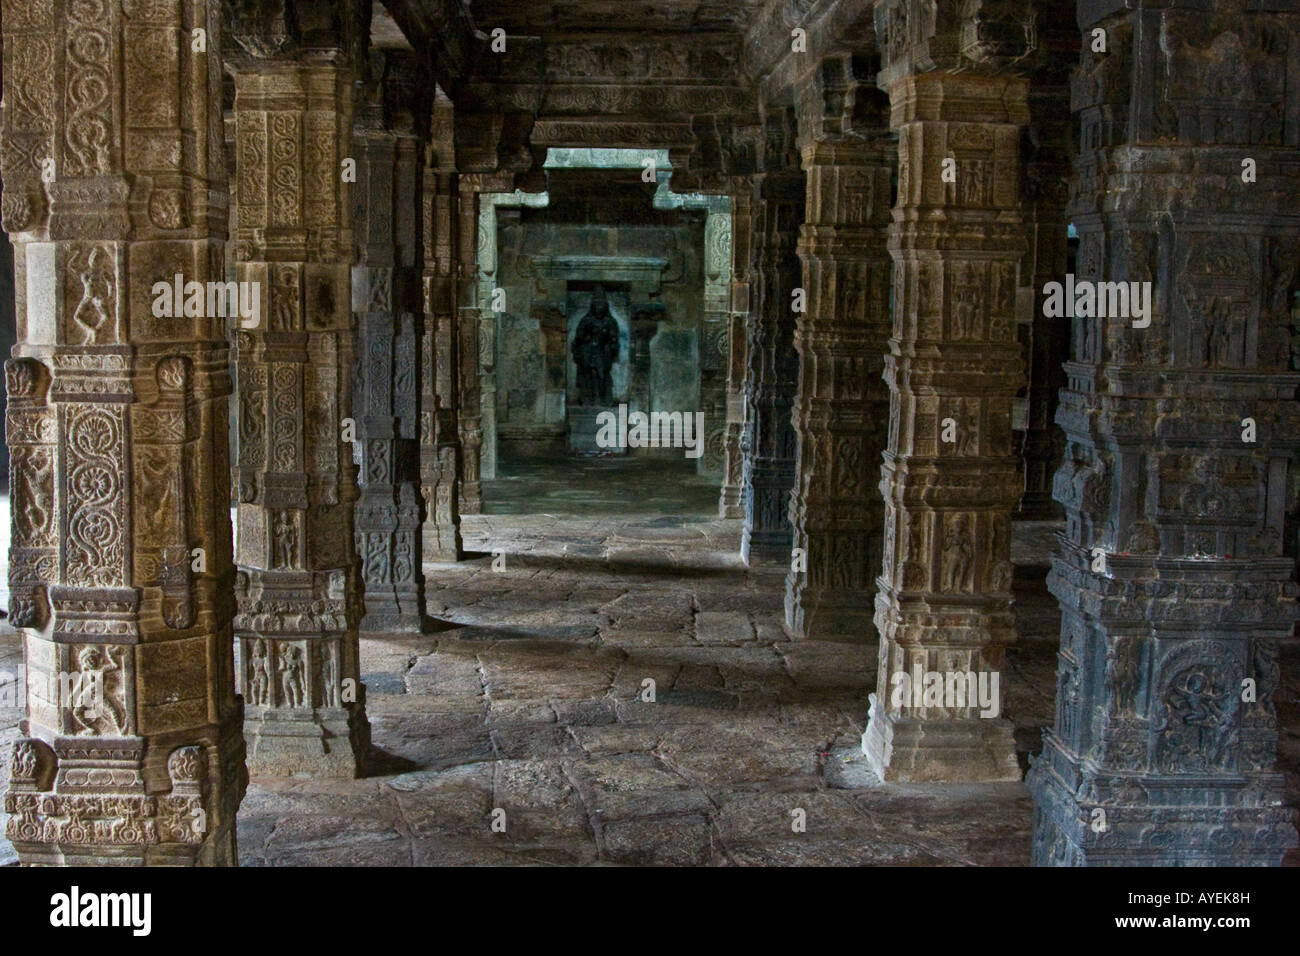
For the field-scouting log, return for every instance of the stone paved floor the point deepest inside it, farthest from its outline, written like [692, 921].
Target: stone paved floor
[528, 702]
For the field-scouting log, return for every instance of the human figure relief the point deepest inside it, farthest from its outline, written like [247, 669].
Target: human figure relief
[1218, 347]
[958, 556]
[96, 291]
[25, 759]
[1087, 340]
[95, 706]
[286, 299]
[159, 503]
[1122, 674]
[329, 676]
[1200, 725]
[966, 302]
[34, 516]
[291, 676]
[284, 540]
[259, 676]
[969, 434]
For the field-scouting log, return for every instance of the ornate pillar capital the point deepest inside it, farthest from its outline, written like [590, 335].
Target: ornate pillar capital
[973, 36]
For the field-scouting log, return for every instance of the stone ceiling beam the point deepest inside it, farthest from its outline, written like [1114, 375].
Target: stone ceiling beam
[444, 31]
[294, 29]
[832, 26]
[612, 90]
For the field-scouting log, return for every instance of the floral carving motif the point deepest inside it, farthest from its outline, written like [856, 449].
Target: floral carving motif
[94, 485]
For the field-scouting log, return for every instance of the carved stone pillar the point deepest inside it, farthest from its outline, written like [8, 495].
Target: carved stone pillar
[715, 349]
[481, 193]
[299, 585]
[1182, 429]
[950, 481]
[386, 300]
[773, 364]
[731, 501]
[440, 449]
[470, 398]
[843, 404]
[120, 561]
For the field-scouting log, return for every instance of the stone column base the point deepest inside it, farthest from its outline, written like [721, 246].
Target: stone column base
[816, 614]
[771, 547]
[443, 544]
[731, 503]
[394, 612]
[583, 429]
[1038, 506]
[78, 802]
[327, 742]
[45, 854]
[220, 852]
[471, 498]
[935, 750]
[1141, 820]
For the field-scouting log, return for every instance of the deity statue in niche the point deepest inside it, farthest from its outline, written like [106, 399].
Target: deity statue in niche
[595, 349]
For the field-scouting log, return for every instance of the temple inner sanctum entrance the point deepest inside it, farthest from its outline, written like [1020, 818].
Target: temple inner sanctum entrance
[609, 293]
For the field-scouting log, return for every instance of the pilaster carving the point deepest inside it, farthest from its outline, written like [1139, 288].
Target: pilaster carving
[1045, 191]
[715, 338]
[476, 347]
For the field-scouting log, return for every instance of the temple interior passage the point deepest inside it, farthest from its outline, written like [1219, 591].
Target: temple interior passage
[741, 432]
[530, 699]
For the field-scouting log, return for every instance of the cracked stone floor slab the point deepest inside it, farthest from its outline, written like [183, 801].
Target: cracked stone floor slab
[530, 701]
